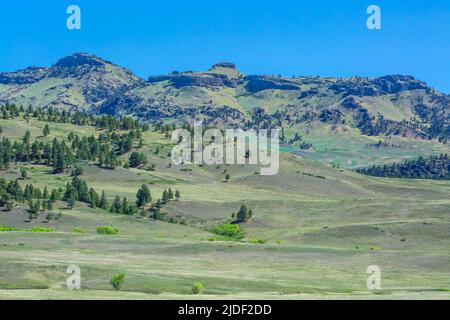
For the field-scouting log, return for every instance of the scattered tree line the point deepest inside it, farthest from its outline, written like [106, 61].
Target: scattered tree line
[108, 122]
[433, 167]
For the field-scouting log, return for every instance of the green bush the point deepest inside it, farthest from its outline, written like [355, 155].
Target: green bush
[117, 281]
[257, 241]
[79, 230]
[197, 288]
[105, 230]
[228, 230]
[39, 229]
[6, 229]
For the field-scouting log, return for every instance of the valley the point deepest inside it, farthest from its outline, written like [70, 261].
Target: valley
[318, 228]
[82, 141]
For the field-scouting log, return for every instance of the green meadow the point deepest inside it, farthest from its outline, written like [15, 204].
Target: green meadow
[316, 228]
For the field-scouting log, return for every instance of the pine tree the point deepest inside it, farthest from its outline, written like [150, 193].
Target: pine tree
[177, 195]
[60, 164]
[26, 138]
[125, 206]
[242, 215]
[143, 196]
[165, 197]
[45, 194]
[54, 196]
[46, 130]
[103, 203]
[117, 205]
[93, 198]
[71, 201]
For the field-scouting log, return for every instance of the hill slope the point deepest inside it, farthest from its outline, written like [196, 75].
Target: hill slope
[350, 122]
[318, 229]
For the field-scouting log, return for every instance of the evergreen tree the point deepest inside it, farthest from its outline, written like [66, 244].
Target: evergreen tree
[165, 197]
[242, 215]
[103, 203]
[125, 206]
[143, 196]
[46, 130]
[117, 205]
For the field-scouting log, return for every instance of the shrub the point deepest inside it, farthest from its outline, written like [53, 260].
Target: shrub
[6, 229]
[105, 230]
[257, 241]
[40, 229]
[197, 288]
[79, 230]
[228, 230]
[117, 281]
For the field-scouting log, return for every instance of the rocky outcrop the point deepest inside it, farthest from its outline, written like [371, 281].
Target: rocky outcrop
[261, 83]
[25, 76]
[180, 80]
[378, 86]
[227, 65]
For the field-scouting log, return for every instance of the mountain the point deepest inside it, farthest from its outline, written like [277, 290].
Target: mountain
[395, 117]
[79, 81]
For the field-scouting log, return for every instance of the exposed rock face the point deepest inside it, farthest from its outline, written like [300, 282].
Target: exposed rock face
[350, 103]
[180, 80]
[261, 83]
[332, 116]
[397, 83]
[228, 65]
[379, 86]
[80, 59]
[25, 76]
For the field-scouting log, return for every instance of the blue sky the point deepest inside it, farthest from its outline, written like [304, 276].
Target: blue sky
[327, 38]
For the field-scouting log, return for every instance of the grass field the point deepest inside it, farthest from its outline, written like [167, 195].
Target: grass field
[320, 228]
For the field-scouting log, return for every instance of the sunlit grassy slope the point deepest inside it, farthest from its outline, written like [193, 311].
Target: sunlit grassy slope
[346, 147]
[322, 227]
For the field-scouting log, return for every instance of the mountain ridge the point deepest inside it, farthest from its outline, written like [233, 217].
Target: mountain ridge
[389, 105]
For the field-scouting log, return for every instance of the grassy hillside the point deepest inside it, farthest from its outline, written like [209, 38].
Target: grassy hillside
[318, 229]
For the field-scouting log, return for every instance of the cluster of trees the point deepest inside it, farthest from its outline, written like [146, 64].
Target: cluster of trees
[244, 214]
[56, 154]
[433, 167]
[11, 193]
[121, 206]
[105, 149]
[166, 197]
[78, 190]
[11, 111]
[137, 159]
